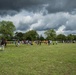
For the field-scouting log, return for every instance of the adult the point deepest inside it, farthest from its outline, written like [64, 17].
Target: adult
[3, 44]
[48, 42]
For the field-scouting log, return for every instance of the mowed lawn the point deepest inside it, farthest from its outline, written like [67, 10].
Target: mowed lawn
[57, 59]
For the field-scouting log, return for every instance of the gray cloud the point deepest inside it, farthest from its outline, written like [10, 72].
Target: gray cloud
[61, 22]
[51, 21]
[23, 26]
[9, 12]
[40, 15]
[70, 32]
[17, 5]
[52, 6]
[61, 6]
[71, 24]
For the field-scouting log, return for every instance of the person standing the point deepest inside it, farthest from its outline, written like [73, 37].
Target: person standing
[3, 44]
[48, 42]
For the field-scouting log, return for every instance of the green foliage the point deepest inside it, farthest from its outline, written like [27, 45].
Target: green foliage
[61, 37]
[70, 37]
[31, 35]
[19, 35]
[6, 29]
[74, 37]
[41, 38]
[51, 34]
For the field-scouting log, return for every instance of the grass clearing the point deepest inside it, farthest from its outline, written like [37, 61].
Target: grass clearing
[38, 60]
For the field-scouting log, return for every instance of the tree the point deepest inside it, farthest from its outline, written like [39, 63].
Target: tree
[61, 37]
[51, 34]
[7, 29]
[41, 38]
[74, 37]
[31, 35]
[19, 35]
[70, 37]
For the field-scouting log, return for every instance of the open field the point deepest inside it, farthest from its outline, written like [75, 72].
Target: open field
[38, 60]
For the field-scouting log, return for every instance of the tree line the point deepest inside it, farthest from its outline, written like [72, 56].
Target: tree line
[7, 29]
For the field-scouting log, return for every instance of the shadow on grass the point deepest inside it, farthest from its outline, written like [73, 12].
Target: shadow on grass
[1, 50]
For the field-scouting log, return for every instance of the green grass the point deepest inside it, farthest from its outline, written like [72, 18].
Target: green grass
[38, 60]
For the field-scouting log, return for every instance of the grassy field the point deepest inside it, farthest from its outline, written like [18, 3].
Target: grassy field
[57, 59]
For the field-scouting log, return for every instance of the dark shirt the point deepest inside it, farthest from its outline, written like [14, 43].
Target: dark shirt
[3, 42]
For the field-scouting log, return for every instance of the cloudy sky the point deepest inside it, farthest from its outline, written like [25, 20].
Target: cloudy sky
[40, 15]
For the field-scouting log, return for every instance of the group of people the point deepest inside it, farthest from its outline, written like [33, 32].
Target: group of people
[51, 42]
[38, 42]
[3, 43]
[17, 43]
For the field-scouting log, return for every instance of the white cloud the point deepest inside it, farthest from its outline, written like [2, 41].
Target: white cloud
[61, 21]
[61, 30]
